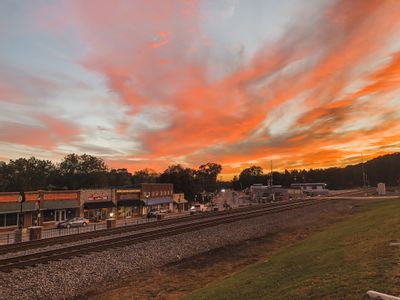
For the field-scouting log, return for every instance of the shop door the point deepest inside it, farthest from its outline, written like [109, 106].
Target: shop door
[60, 215]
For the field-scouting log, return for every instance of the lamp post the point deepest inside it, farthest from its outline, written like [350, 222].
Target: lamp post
[38, 202]
[147, 202]
[21, 199]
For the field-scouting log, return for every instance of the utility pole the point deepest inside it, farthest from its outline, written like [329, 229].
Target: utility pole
[363, 172]
[271, 180]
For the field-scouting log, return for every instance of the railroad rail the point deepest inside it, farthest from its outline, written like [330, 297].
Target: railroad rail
[33, 259]
[358, 192]
[4, 249]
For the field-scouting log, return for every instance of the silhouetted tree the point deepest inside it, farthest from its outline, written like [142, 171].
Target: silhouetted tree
[28, 174]
[206, 176]
[119, 177]
[83, 171]
[145, 176]
[182, 178]
[252, 175]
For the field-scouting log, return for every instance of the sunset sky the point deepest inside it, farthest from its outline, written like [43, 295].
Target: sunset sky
[149, 83]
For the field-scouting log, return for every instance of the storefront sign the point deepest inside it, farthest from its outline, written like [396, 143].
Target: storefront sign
[13, 197]
[128, 191]
[97, 196]
[129, 196]
[60, 196]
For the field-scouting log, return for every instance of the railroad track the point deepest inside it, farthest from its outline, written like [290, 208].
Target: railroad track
[4, 249]
[33, 259]
[355, 193]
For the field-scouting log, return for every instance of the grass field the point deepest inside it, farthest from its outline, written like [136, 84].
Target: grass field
[341, 262]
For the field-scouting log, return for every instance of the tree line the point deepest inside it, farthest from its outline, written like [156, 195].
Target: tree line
[86, 171]
[384, 169]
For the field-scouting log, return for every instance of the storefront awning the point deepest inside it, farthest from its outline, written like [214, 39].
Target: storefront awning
[14, 207]
[180, 201]
[60, 204]
[95, 205]
[131, 202]
[157, 201]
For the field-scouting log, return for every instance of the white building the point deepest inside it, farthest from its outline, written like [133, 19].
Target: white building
[312, 189]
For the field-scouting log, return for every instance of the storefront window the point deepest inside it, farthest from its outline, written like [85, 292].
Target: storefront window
[8, 219]
[99, 213]
[70, 213]
[11, 219]
[48, 215]
[121, 212]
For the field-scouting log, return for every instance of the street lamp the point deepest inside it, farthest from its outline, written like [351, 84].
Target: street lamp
[147, 201]
[37, 206]
[21, 199]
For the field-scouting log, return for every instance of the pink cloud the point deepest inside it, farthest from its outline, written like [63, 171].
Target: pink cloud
[163, 39]
[49, 135]
[217, 120]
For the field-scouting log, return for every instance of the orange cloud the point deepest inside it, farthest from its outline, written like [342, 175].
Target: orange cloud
[47, 136]
[331, 66]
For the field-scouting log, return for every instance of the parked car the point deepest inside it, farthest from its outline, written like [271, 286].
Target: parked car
[74, 222]
[152, 213]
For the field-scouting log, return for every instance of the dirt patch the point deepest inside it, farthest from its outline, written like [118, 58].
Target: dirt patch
[177, 279]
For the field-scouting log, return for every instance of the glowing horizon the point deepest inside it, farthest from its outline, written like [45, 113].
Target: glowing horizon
[148, 84]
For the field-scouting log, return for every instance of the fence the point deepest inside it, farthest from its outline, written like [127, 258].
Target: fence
[9, 238]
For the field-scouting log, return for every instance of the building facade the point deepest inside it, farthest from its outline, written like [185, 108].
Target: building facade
[158, 196]
[311, 189]
[266, 193]
[39, 208]
[129, 203]
[59, 206]
[180, 204]
[51, 207]
[98, 204]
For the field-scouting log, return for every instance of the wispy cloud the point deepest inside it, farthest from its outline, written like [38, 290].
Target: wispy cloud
[316, 96]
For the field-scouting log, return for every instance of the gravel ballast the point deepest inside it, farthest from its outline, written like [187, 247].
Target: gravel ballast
[73, 277]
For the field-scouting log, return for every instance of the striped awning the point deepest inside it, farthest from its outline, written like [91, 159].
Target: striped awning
[157, 201]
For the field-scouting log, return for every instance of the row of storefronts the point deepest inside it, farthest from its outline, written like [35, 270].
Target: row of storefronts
[38, 207]
[46, 207]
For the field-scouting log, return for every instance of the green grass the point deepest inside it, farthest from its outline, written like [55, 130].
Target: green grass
[341, 262]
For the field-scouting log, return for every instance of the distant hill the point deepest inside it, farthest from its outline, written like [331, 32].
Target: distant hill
[384, 169]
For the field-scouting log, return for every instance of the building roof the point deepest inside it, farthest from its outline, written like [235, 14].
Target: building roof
[308, 183]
